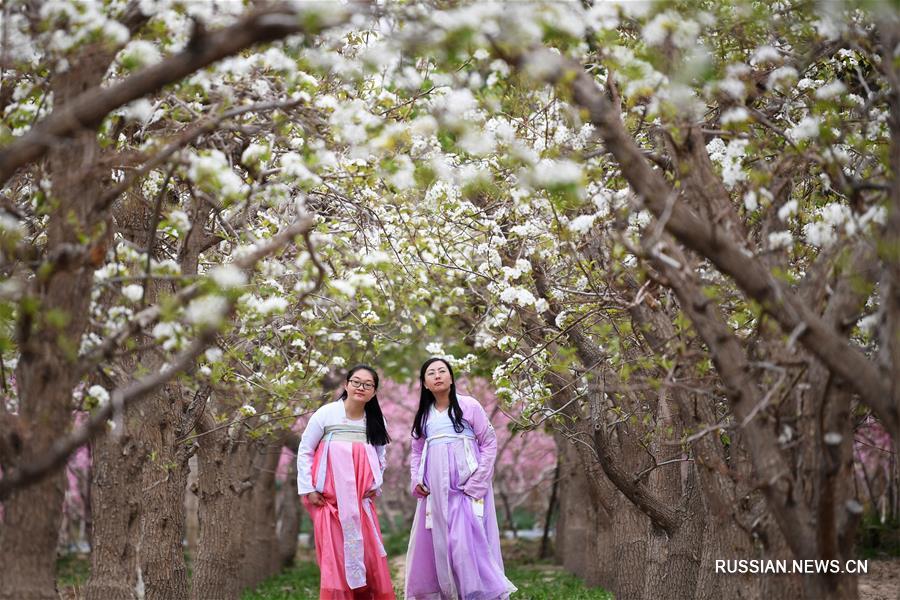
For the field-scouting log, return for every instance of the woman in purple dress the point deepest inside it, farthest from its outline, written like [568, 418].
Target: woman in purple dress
[454, 547]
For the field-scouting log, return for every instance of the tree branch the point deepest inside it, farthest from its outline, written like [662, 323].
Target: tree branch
[711, 241]
[18, 476]
[91, 107]
[731, 364]
[663, 514]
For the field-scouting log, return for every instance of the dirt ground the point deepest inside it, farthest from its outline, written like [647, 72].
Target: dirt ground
[882, 582]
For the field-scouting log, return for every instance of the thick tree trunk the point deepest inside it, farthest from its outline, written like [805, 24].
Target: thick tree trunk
[288, 511]
[44, 374]
[115, 498]
[262, 559]
[223, 479]
[144, 473]
[774, 546]
[138, 505]
[581, 534]
[164, 479]
[682, 551]
[630, 541]
[31, 521]
[725, 540]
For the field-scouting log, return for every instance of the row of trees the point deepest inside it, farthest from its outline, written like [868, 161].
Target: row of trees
[669, 232]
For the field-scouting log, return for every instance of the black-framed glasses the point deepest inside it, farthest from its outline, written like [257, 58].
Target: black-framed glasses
[356, 383]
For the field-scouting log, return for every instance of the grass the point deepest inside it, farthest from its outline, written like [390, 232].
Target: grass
[877, 539]
[301, 581]
[535, 580]
[73, 570]
[549, 582]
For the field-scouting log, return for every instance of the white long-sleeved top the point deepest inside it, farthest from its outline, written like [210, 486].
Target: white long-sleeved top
[329, 414]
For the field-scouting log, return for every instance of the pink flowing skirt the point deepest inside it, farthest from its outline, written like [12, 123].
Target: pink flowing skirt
[330, 540]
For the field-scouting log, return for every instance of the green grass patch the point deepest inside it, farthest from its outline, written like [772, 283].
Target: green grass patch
[73, 570]
[297, 583]
[396, 543]
[549, 582]
[877, 539]
[536, 580]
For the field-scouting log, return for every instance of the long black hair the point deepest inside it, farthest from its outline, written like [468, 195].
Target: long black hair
[426, 401]
[376, 432]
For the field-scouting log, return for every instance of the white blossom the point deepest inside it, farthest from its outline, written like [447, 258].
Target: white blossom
[669, 25]
[141, 110]
[228, 276]
[819, 234]
[139, 53]
[179, 220]
[206, 310]
[133, 292]
[12, 225]
[787, 209]
[270, 305]
[582, 224]
[867, 324]
[807, 128]
[751, 202]
[831, 90]
[781, 77]
[98, 393]
[765, 54]
[550, 173]
[254, 154]
[517, 295]
[780, 239]
[729, 157]
[293, 166]
[211, 171]
[738, 114]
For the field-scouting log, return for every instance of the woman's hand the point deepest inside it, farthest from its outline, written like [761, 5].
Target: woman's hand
[316, 498]
[422, 490]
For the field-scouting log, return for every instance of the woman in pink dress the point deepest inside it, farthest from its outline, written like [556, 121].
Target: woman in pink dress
[340, 463]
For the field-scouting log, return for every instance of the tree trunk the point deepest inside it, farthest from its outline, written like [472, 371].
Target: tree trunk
[44, 374]
[725, 540]
[223, 478]
[144, 474]
[288, 510]
[679, 570]
[776, 547]
[551, 508]
[630, 541]
[31, 521]
[164, 478]
[583, 534]
[115, 499]
[262, 541]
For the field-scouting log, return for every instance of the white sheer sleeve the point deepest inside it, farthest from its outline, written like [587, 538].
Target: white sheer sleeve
[309, 441]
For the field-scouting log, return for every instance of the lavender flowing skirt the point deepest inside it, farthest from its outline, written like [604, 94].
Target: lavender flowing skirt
[459, 557]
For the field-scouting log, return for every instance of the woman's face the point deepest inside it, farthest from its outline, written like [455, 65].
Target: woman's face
[361, 386]
[437, 377]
